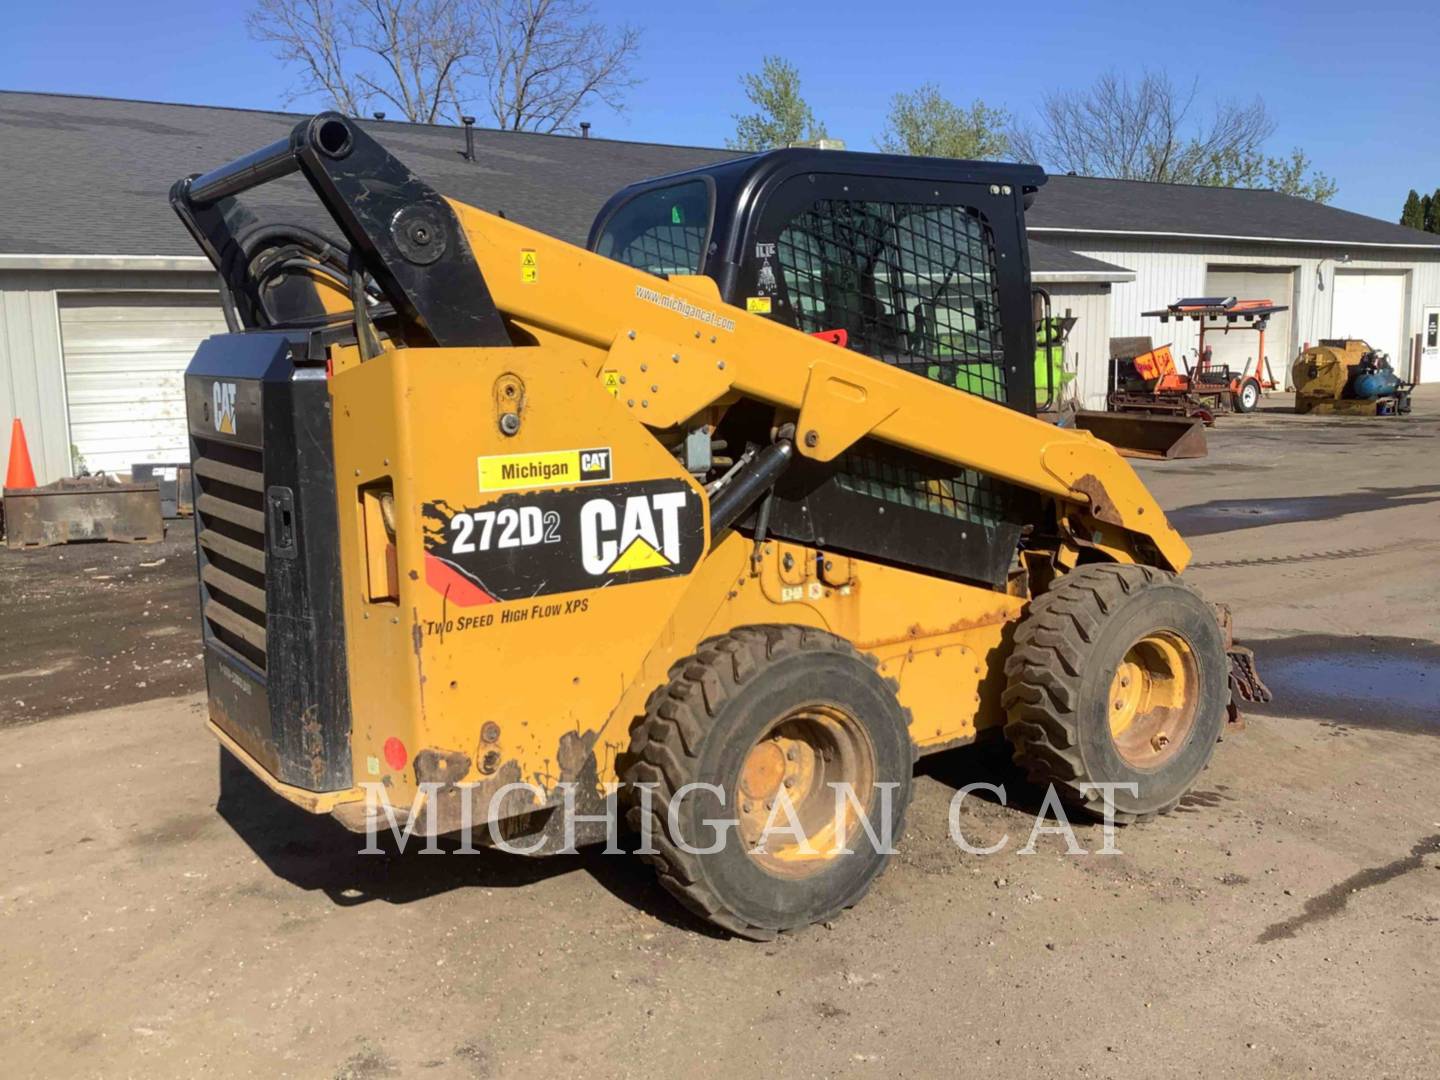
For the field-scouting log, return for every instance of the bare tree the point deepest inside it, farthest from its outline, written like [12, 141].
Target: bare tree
[536, 63]
[547, 58]
[1142, 131]
[1151, 129]
[409, 54]
[306, 37]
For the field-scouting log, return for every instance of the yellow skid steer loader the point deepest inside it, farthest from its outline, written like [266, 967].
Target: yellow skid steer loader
[738, 513]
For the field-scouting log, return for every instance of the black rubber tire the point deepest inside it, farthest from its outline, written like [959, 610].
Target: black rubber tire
[697, 729]
[1067, 647]
[1237, 401]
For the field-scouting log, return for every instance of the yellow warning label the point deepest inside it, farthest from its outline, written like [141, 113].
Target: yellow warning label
[640, 555]
[757, 305]
[529, 267]
[550, 468]
[612, 382]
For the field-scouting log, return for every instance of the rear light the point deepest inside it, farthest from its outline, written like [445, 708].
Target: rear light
[395, 753]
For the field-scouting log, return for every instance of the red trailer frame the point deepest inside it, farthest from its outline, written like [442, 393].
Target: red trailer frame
[1226, 313]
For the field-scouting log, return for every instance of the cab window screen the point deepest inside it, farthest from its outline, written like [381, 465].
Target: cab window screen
[912, 284]
[661, 231]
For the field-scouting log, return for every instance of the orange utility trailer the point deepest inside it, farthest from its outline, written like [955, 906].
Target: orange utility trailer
[1152, 381]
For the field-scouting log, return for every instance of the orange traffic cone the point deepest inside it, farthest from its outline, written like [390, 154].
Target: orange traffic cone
[20, 473]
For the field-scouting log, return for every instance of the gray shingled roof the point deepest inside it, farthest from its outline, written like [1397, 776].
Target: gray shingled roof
[1052, 259]
[91, 176]
[82, 175]
[85, 175]
[1081, 204]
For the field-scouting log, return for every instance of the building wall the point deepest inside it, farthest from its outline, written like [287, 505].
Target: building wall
[32, 376]
[32, 368]
[1087, 352]
[1168, 269]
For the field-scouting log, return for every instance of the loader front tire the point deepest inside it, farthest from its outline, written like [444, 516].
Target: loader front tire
[1118, 676]
[759, 716]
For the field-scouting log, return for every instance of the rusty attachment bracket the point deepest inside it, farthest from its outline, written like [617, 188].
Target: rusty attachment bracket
[83, 508]
[1245, 681]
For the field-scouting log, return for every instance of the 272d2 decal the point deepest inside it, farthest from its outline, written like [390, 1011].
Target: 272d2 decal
[544, 542]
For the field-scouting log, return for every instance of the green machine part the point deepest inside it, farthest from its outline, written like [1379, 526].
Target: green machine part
[1050, 374]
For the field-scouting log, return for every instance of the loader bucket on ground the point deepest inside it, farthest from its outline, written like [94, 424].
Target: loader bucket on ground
[1146, 436]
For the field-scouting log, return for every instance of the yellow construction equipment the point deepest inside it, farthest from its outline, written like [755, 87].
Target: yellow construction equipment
[1347, 376]
[738, 513]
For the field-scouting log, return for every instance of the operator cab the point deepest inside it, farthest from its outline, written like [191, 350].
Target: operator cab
[919, 262]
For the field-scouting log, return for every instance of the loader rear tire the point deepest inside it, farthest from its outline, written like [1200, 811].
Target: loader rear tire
[1118, 676]
[765, 713]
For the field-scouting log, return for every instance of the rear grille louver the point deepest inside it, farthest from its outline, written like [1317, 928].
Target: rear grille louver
[230, 506]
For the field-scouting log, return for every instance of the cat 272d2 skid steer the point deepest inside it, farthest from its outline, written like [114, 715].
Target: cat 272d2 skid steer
[742, 510]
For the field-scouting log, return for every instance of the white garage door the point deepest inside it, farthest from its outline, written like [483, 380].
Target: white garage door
[125, 358]
[1238, 347]
[1371, 305]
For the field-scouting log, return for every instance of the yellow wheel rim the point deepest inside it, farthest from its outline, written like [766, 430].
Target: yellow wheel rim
[1154, 698]
[797, 759]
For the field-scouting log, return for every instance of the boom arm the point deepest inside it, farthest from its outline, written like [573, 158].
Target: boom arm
[457, 276]
[676, 348]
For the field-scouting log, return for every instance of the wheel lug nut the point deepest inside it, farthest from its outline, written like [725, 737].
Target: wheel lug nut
[791, 754]
[789, 781]
[747, 807]
[1160, 741]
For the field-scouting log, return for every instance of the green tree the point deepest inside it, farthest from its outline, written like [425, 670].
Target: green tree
[1432, 213]
[928, 124]
[782, 116]
[1413, 216]
[1293, 176]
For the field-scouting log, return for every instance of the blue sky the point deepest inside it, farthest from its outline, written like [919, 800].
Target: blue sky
[1356, 86]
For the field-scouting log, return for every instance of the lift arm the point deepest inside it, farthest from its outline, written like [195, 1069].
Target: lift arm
[672, 347]
[457, 276]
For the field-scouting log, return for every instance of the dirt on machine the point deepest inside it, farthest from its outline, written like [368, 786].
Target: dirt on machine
[734, 515]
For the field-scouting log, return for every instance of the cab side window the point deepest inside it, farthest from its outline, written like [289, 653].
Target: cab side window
[661, 231]
[912, 284]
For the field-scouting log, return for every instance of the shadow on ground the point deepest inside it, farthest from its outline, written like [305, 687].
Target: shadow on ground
[987, 761]
[315, 853]
[1230, 515]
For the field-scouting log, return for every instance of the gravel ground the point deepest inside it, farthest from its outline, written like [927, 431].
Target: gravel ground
[161, 915]
[92, 626]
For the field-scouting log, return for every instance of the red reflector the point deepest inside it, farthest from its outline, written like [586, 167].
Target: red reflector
[395, 755]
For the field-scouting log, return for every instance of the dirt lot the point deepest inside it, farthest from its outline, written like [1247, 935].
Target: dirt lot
[92, 626]
[1286, 920]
